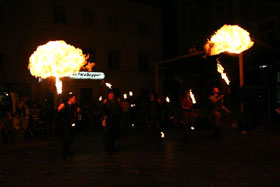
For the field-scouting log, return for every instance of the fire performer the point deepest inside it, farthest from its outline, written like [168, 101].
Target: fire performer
[66, 113]
[111, 111]
[188, 115]
[217, 106]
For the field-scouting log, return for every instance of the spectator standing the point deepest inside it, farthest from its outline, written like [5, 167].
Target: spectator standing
[111, 112]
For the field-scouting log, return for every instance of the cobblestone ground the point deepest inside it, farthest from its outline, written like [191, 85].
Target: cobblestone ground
[234, 160]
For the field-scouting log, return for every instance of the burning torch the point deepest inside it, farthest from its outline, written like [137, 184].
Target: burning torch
[231, 39]
[192, 97]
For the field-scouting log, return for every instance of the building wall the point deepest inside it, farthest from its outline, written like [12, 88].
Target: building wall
[28, 24]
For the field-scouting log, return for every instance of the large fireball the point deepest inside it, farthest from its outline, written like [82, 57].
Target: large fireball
[56, 59]
[229, 38]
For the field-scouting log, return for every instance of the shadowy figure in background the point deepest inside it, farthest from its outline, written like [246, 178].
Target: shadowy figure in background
[188, 115]
[66, 114]
[216, 107]
[111, 113]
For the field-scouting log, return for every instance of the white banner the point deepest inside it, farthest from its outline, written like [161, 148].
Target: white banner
[88, 75]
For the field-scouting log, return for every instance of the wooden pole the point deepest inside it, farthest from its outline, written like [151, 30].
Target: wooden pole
[156, 74]
[241, 71]
[241, 79]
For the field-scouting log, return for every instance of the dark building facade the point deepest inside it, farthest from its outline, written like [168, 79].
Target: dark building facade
[197, 20]
[122, 38]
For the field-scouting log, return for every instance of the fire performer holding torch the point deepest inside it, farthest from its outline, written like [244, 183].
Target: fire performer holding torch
[188, 114]
[57, 59]
[216, 106]
[67, 113]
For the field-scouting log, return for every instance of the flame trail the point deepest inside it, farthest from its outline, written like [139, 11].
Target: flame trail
[192, 97]
[108, 85]
[125, 96]
[229, 38]
[56, 59]
[220, 69]
[167, 99]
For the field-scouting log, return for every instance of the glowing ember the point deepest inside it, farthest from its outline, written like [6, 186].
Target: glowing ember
[100, 98]
[167, 99]
[220, 69]
[125, 96]
[108, 85]
[192, 128]
[56, 59]
[192, 97]
[162, 134]
[229, 38]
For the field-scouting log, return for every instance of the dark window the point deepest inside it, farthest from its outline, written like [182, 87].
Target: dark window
[184, 22]
[220, 8]
[2, 13]
[59, 14]
[1, 61]
[114, 60]
[143, 28]
[193, 17]
[88, 18]
[144, 62]
[113, 23]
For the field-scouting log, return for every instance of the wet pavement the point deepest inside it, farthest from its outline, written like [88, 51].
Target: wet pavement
[234, 160]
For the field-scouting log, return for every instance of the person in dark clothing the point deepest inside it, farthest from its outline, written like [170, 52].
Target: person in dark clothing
[111, 112]
[216, 107]
[67, 112]
[188, 114]
[151, 112]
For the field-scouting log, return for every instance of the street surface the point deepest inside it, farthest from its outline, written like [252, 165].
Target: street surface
[234, 160]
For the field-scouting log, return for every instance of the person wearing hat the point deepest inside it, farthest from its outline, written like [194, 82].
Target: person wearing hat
[217, 106]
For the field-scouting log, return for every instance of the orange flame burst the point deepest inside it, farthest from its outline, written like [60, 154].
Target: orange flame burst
[229, 38]
[56, 59]
[220, 69]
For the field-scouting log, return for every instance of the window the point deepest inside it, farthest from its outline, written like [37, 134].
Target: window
[2, 13]
[1, 61]
[189, 18]
[220, 8]
[113, 23]
[143, 62]
[88, 18]
[192, 17]
[114, 60]
[143, 28]
[59, 14]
